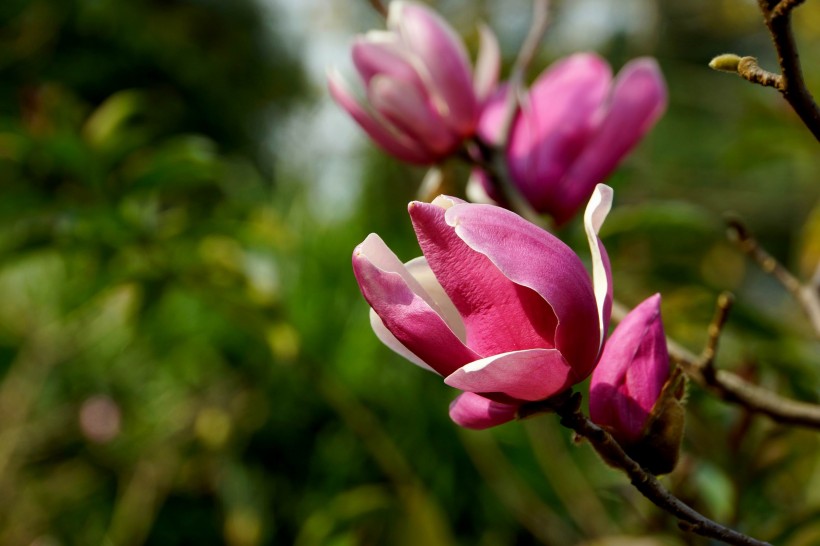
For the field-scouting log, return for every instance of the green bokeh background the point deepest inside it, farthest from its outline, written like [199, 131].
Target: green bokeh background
[184, 354]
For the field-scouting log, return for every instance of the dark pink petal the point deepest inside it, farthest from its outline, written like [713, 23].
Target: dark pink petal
[411, 112]
[392, 142]
[637, 102]
[631, 373]
[442, 55]
[528, 375]
[499, 315]
[535, 261]
[555, 124]
[406, 310]
[473, 411]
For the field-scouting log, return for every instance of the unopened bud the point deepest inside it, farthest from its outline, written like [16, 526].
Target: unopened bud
[728, 62]
[658, 448]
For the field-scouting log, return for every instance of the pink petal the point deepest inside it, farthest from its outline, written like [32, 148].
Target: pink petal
[556, 124]
[529, 375]
[411, 112]
[473, 411]
[637, 102]
[406, 310]
[393, 143]
[597, 210]
[535, 260]
[386, 337]
[633, 369]
[499, 315]
[488, 63]
[380, 53]
[442, 55]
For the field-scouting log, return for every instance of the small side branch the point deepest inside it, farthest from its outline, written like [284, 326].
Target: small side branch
[567, 406]
[790, 81]
[806, 295]
[379, 7]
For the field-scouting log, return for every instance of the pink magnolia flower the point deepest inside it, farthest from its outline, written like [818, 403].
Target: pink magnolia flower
[502, 309]
[633, 369]
[574, 127]
[422, 98]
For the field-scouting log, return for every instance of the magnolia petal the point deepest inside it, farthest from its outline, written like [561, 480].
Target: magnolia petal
[397, 145]
[488, 63]
[443, 56]
[558, 120]
[637, 102]
[528, 375]
[632, 371]
[406, 310]
[596, 212]
[479, 188]
[392, 343]
[471, 410]
[410, 111]
[379, 53]
[420, 270]
[534, 259]
[499, 315]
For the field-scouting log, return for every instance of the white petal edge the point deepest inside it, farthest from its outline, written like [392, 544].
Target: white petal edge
[596, 212]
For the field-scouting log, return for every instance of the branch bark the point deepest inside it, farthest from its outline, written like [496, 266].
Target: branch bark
[567, 406]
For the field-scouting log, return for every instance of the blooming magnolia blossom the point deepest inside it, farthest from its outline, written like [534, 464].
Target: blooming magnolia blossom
[504, 310]
[421, 96]
[633, 369]
[574, 127]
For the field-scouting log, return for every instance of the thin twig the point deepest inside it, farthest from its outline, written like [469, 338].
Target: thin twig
[567, 406]
[748, 69]
[500, 170]
[777, 16]
[707, 357]
[806, 295]
[379, 7]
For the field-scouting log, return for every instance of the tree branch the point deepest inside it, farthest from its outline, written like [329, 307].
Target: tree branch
[777, 16]
[567, 406]
[806, 295]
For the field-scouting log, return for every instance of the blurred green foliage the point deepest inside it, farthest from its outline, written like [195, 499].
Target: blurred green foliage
[184, 355]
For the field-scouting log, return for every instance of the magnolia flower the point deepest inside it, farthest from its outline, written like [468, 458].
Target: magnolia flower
[630, 376]
[574, 127]
[502, 309]
[421, 96]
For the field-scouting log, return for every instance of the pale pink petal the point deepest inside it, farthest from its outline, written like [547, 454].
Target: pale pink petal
[499, 315]
[557, 122]
[488, 63]
[380, 53]
[638, 100]
[443, 56]
[410, 111]
[406, 310]
[534, 260]
[633, 369]
[420, 270]
[479, 189]
[492, 115]
[597, 210]
[528, 375]
[471, 410]
[393, 143]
